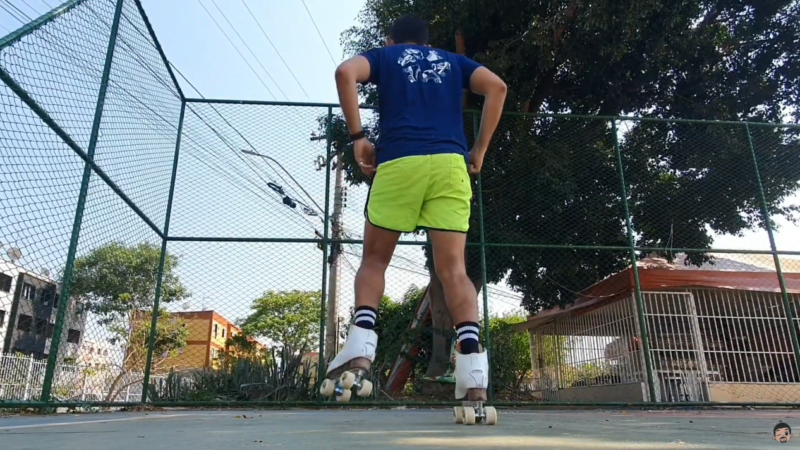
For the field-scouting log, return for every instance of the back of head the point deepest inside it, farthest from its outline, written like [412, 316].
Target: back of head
[409, 29]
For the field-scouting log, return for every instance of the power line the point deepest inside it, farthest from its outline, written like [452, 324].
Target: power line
[249, 49]
[276, 50]
[29, 6]
[333, 60]
[237, 50]
[12, 14]
[147, 66]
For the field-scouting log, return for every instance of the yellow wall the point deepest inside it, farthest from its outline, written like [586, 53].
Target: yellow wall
[198, 329]
[191, 357]
[221, 330]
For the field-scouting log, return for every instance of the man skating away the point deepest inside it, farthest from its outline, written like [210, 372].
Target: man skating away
[421, 180]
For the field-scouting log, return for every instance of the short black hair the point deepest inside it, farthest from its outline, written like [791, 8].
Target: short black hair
[409, 29]
[779, 426]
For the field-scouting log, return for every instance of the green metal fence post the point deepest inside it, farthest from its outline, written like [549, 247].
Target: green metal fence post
[787, 306]
[485, 291]
[325, 242]
[63, 300]
[651, 388]
[162, 260]
[44, 19]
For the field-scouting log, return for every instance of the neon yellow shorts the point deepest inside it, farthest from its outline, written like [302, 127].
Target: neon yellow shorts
[421, 192]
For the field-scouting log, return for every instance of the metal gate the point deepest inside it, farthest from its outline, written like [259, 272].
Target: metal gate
[676, 348]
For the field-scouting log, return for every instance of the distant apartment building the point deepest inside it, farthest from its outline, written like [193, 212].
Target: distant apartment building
[28, 308]
[97, 355]
[208, 334]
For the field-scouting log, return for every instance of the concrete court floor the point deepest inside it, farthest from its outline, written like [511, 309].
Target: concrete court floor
[399, 429]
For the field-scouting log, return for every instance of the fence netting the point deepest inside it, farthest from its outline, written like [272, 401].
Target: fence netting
[188, 251]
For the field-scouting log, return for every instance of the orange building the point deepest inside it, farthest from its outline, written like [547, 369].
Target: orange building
[208, 333]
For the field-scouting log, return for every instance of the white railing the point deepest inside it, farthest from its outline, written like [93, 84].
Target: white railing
[22, 379]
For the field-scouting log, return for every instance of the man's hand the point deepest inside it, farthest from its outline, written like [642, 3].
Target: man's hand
[365, 155]
[476, 159]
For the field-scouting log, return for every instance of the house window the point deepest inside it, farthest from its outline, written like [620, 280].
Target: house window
[223, 333]
[73, 336]
[5, 283]
[28, 291]
[214, 353]
[25, 323]
[2, 317]
[216, 330]
[40, 326]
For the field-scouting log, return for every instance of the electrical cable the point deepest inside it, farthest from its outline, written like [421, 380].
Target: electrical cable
[333, 60]
[276, 49]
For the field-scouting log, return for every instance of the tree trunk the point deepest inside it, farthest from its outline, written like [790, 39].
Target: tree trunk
[112, 390]
[442, 325]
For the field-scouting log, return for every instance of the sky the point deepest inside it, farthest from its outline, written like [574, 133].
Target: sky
[220, 191]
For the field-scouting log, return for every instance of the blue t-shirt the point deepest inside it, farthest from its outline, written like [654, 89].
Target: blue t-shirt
[420, 100]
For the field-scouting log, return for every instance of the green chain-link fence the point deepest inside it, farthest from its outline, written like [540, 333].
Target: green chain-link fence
[182, 251]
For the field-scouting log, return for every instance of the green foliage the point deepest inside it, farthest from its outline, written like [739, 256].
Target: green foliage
[290, 319]
[283, 376]
[114, 280]
[510, 354]
[544, 177]
[118, 284]
[170, 337]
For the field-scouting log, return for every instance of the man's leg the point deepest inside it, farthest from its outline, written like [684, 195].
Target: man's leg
[445, 214]
[472, 365]
[393, 205]
[379, 245]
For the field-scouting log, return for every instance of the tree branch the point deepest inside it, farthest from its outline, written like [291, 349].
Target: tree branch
[548, 78]
[461, 49]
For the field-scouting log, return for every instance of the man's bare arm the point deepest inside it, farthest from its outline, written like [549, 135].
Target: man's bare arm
[349, 73]
[484, 82]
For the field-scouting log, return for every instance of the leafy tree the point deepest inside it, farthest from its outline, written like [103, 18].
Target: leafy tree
[290, 319]
[170, 339]
[555, 180]
[242, 346]
[117, 283]
[511, 354]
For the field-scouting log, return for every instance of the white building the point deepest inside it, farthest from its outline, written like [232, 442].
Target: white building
[28, 309]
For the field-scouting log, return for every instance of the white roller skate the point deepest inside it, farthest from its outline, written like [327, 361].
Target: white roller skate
[350, 366]
[472, 380]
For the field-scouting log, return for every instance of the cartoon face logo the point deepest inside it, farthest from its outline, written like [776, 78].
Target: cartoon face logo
[782, 433]
[427, 68]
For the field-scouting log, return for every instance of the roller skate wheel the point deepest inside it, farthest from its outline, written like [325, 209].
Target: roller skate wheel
[458, 412]
[365, 390]
[491, 415]
[327, 388]
[345, 397]
[469, 415]
[347, 379]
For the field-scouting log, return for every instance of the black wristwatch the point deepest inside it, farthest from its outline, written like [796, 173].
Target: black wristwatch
[357, 136]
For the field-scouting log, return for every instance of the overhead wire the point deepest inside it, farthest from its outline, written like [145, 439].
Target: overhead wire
[276, 49]
[218, 113]
[258, 60]
[237, 50]
[138, 57]
[266, 161]
[333, 60]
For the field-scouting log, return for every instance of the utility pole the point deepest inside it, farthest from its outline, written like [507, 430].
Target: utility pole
[332, 322]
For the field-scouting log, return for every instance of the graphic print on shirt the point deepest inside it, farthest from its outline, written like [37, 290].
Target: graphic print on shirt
[430, 67]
